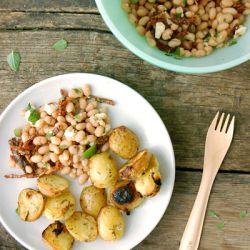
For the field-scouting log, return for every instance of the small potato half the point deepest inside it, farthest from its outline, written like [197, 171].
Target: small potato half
[135, 167]
[52, 185]
[92, 200]
[103, 171]
[30, 204]
[57, 237]
[82, 227]
[124, 142]
[149, 184]
[124, 196]
[60, 207]
[111, 224]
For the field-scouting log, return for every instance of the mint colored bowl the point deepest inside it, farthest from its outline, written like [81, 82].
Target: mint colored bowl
[221, 59]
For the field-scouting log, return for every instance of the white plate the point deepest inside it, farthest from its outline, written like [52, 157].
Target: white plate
[130, 110]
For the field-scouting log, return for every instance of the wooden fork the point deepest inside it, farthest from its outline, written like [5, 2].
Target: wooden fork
[217, 144]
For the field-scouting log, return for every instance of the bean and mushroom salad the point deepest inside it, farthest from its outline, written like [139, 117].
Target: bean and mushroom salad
[61, 135]
[185, 28]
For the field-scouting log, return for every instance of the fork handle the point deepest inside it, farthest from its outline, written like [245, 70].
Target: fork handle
[191, 236]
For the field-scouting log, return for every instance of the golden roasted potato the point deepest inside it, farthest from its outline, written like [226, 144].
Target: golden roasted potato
[124, 142]
[92, 200]
[124, 196]
[149, 184]
[111, 224]
[52, 185]
[136, 166]
[57, 236]
[82, 227]
[30, 204]
[103, 171]
[60, 207]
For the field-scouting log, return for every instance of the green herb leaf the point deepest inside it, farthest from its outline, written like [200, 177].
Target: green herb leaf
[60, 45]
[29, 107]
[232, 42]
[176, 54]
[49, 135]
[184, 2]
[34, 116]
[221, 225]
[17, 132]
[134, 1]
[17, 210]
[62, 146]
[90, 151]
[14, 60]
[243, 213]
[206, 38]
[179, 14]
[78, 91]
[77, 118]
[46, 165]
[212, 214]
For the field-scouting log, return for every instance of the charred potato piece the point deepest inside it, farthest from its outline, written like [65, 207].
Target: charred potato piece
[124, 142]
[149, 184]
[52, 185]
[57, 237]
[92, 200]
[111, 224]
[82, 227]
[60, 207]
[30, 204]
[103, 171]
[135, 167]
[124, 196]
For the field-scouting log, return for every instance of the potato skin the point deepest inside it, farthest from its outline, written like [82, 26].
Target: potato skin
[111, 224]
[103, 171]
[30, 204]
[57, 237]
[60, 207]
[124, 142]
[52, 185]
[149, 184]
[136, 166]
[124, 196]
[92, 200]
[82, 226]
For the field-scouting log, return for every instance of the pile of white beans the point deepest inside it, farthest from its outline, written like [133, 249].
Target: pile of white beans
[73, 136]
[215, 23]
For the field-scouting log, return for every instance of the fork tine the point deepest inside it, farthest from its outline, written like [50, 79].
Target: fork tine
[219, 126]
[224, 129]
[231, 127]
[213, 123]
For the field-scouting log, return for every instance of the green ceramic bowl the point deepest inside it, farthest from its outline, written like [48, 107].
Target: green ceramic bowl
[221, 59]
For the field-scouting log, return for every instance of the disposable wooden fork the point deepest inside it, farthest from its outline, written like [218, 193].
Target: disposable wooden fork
[218, 140]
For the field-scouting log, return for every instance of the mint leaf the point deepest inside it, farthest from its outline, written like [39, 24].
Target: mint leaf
[221, 225]
[49, 135]
[60, 45]
[243, 213]
[14, 60]
[179, 14]
[212, 214]
[34, 116]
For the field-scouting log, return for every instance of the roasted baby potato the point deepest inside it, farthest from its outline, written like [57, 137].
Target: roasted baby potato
[60, 207]
[111, 224]
[52, 185]
[57, 236]
[30, 204]
[124, 196]
[124, 142]
[103, 171]
[136, 166]
[149, 184]
[92, 200]
[82, 227]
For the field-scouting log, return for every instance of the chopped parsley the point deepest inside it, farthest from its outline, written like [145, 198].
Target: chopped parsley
[184, 2]
[232, 42]
[62, 146]
[176, 54]
[179, 14]
[212, 214]
[134, 1]
[17, 132]
[49, 135]
[243, 213]
[17, 210]
[60, 45]
[77, 117]
[34, 114]
[221, 225]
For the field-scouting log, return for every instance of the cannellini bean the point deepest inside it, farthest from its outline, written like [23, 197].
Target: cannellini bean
[174, 43]
[222, 26]
[73, 149]
[80, 136]
[76, 158]
[75, 93]
[91, 138]
[55, 140]
[212, 13]
[144, 20]
[132, 18]
[28, 169]
[40, 140]
[72, 175]
[83, 178]
[65, 170]
[80, 126]
[79, 171]
[105, 147]
[54, 157]
[90, 128]
[226, 3]
[99, 131]
[82, 103]
[86, 90]
[65, 155]
[36, 158]
[167, 34]
[70, 107]
[142, 11]
[43, 150]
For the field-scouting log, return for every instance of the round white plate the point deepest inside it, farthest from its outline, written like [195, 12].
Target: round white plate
[131, 110]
